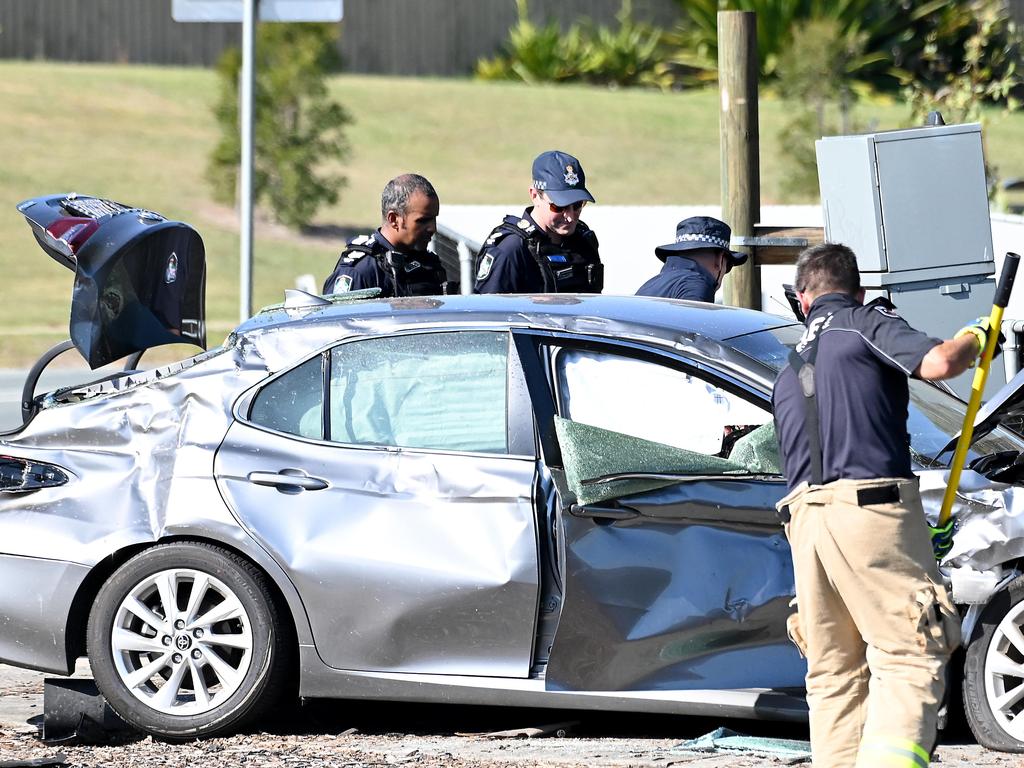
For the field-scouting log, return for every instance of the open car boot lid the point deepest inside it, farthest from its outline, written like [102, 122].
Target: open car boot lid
[1004, 409]
[140, 279]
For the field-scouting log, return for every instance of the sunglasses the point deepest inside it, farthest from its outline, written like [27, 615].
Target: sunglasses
[577, 207]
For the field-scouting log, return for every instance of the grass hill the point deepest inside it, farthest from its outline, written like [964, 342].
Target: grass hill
[141, 135]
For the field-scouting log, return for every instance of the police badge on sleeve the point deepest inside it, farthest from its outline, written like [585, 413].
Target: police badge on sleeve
[486, 262]
[342, 284]
[884, 307]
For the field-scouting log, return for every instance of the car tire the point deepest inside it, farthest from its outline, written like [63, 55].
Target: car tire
[185, 641]
[993, 682]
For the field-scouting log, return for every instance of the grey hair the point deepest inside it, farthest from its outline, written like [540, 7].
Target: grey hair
[397, 192]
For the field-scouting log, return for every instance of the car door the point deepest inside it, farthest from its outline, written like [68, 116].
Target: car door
[392, 478]
[676, 572]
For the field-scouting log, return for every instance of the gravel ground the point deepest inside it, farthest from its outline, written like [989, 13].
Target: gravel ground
[361, 735]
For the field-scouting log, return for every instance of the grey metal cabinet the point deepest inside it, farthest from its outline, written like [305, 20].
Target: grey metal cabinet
[913, 205]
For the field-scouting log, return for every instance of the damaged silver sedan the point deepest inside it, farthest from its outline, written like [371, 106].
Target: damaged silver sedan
[549, 501]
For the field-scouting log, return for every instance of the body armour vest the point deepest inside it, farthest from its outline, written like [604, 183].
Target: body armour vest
[408, 274]
[573, 266]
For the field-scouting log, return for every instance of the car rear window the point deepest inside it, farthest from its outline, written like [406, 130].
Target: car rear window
[293, 403]
[443, 391]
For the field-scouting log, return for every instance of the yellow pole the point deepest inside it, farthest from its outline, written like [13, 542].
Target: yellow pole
[978, 387]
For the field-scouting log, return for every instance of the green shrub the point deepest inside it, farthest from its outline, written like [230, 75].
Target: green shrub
[631, 54]
[297, 128]
[825, 65]
[536, 54]
[814, 76]
[903, 40]
[988, 75]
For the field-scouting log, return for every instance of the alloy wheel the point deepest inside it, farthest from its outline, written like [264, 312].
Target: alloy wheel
[1004, 673]
[182, 641]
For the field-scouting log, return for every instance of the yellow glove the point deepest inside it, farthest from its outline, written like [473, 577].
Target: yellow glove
[979, 329]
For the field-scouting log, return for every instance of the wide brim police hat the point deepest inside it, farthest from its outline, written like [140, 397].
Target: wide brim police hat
[701, 232]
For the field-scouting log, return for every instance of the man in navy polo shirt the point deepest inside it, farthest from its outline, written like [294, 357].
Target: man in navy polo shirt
[873, 617]
[547, 249]
[695, 263]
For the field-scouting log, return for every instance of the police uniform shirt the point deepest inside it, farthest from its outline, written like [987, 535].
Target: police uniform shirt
[865, 354]
[357, 270]
[508, 266]
[681, 278]
[363, 273]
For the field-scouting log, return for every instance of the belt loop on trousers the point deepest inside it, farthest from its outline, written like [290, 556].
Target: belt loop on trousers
[863, 497]
[881, 494]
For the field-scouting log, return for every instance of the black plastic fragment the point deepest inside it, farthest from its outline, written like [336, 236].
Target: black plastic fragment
[74, 709]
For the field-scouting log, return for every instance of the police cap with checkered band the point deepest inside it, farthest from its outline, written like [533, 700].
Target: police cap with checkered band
[560, 176]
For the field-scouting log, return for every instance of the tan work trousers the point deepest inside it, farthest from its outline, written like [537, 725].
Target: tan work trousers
[874, 622]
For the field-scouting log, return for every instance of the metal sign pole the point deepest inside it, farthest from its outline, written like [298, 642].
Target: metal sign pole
[245, 181]
[248, 12]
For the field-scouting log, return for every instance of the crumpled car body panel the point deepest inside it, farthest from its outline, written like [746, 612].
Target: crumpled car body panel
[418, 574]
[692, 593]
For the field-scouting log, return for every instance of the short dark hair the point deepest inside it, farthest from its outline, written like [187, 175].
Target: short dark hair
[397, 192]
[827, 268]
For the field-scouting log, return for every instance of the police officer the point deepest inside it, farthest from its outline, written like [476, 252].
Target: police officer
[695, 263]
[874, 620]
[547, 249]
[395, 257]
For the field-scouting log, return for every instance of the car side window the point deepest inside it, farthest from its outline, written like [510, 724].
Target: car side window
[442, 391]
[654, 402]
[293, 403]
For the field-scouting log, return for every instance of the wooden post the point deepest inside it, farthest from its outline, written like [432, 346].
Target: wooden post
[738, 136]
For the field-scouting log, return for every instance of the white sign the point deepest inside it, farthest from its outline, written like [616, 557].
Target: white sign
[269, 10]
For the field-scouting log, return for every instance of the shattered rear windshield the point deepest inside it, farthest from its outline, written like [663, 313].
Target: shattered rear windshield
[120, 381]
[934, 417]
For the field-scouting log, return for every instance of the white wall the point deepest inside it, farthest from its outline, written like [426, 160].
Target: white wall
[629, 235]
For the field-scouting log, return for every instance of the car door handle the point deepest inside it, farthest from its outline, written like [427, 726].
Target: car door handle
[602, 513]
[288, 480]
